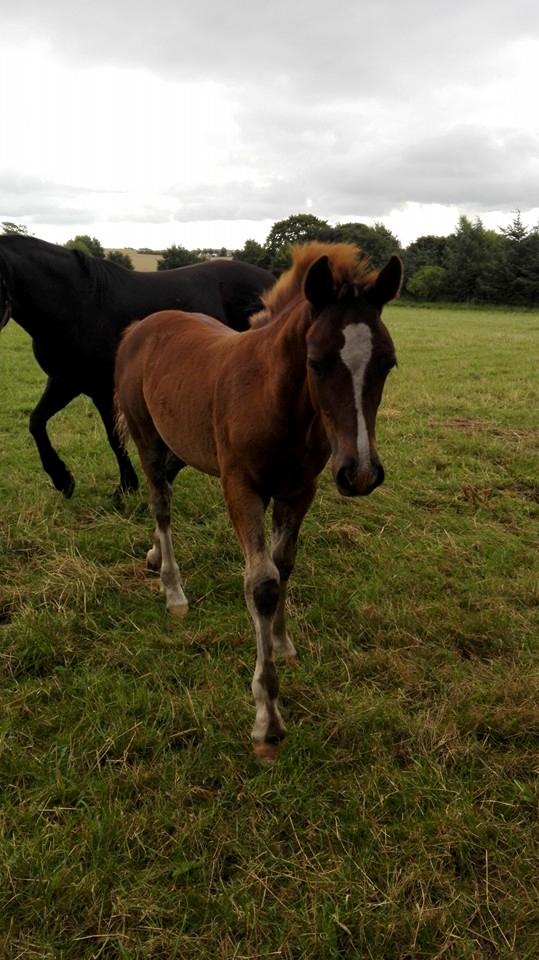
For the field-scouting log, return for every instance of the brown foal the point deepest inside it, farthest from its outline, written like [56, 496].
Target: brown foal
[263, 410]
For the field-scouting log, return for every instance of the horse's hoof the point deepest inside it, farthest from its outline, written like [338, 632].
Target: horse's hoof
[118, 498]
[153, 562]
[290, 660]
[266, 752]
[178, 609]
[130, 484]
[66, 486]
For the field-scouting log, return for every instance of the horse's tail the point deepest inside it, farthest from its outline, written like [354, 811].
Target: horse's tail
[120, 423]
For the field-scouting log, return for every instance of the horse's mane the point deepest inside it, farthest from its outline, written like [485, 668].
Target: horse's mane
[95, 270]
[351, 268]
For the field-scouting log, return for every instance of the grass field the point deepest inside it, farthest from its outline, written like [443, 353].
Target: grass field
[400, 820]
[140, 261]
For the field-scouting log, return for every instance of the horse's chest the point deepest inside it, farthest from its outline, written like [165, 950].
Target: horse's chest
[289, 468]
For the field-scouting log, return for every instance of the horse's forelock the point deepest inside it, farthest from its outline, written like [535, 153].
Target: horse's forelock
[350, 267]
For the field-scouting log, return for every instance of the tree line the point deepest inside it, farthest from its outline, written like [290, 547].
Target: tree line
[471, 265]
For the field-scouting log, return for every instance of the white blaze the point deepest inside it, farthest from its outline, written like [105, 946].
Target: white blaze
[356, 354]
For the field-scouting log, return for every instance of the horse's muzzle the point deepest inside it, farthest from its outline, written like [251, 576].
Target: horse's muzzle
[353, 482]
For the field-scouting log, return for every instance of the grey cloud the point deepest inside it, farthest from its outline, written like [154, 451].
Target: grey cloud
[464, 166]
[335, 107]
[350, 50]
[39, 201]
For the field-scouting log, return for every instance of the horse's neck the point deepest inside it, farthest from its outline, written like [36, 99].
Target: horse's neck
[287, 353]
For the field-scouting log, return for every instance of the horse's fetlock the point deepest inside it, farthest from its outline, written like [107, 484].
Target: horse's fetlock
[266, 596]
[285, 569]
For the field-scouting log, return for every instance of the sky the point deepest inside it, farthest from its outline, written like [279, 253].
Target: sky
[203, 123]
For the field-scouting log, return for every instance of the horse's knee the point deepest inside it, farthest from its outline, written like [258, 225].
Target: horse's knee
[266, 596]
[35, 423]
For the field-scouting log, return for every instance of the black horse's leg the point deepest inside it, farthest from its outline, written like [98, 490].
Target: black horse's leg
[56, 396]
[128, 477]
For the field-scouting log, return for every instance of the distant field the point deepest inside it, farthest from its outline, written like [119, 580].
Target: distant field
[400, 821]
[140, 261]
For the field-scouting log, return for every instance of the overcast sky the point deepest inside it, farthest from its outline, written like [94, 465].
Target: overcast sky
[202, 123]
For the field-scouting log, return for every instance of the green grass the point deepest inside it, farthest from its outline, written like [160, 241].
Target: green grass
[399, 820]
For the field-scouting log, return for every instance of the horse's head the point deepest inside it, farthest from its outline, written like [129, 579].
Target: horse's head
[349, 354]
[5, 305]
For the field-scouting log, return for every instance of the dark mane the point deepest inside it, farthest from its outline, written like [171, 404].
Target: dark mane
[349, 265]
[98, 271]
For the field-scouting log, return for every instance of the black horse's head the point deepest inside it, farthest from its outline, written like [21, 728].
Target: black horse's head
[5, 305]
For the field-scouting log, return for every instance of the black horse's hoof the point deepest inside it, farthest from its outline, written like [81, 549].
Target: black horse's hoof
[118, 498]
[65, 485]
[129, 482]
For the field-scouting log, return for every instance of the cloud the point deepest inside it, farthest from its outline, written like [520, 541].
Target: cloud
[40, 201]
[354, 49]
[213, 111]
[487, 169]
[483, 169]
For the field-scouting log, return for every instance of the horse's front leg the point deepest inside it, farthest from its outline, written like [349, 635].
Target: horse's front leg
[56, 396]
[287, 519]
[261, 587]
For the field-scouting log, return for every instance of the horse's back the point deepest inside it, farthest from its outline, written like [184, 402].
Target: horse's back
[172, 327]
[167, 368]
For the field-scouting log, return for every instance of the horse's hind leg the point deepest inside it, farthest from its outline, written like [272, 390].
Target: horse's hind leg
[128, 478]
[56, 396]
[287, 519]
[160, 464]
[173, 465]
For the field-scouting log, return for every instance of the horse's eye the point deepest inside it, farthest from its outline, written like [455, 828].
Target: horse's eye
[320, 366]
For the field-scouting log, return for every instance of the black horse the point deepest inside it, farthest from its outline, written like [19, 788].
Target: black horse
[75, 308]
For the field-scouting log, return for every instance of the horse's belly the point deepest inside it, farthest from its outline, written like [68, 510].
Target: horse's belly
[184, 420]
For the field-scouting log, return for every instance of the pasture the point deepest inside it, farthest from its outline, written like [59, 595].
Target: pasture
[399, 820]
[140, 261]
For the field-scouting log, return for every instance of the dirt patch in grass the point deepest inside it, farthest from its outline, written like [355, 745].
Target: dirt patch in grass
[480, 425]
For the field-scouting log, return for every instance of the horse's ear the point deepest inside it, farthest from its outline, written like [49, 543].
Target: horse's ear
[388, 282]
[318, 284]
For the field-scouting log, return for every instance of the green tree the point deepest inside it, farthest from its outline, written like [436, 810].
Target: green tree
[518, 280]
[19, 228]
[121, 258]
[428, 283]
[376, 241]
[299, 228]
[87, 244]
[255, 253]
[471, 258]
[425, 251]
[177, 256]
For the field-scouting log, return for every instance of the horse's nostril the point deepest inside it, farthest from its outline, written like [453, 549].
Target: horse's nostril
[351, 484]
[346, 477]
